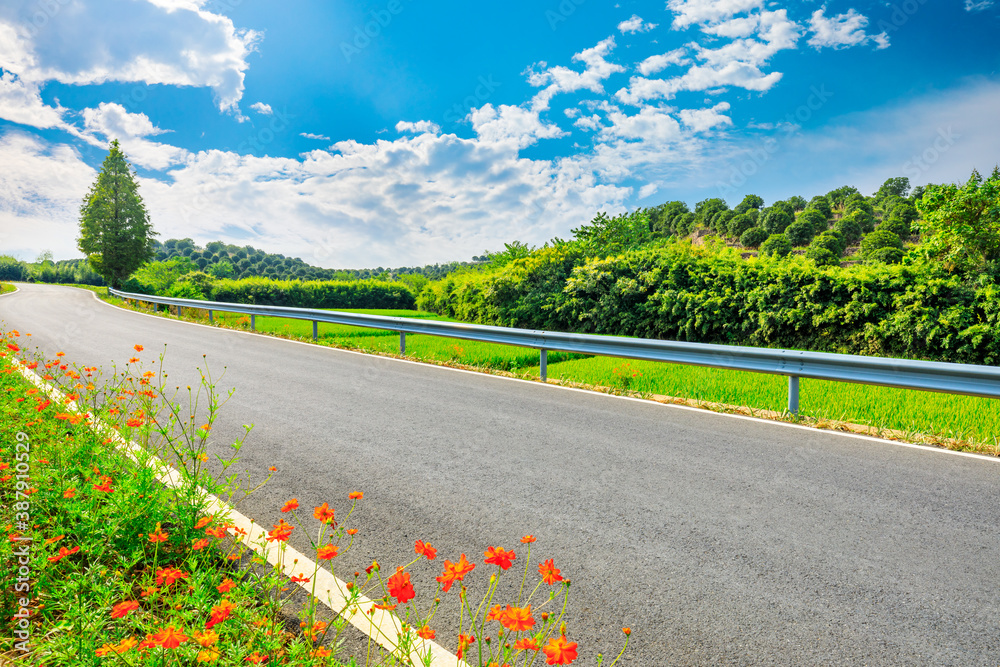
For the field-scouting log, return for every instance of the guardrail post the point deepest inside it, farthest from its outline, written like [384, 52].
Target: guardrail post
[253, 322]
[543, 365]
[315, 329]
[402, 342]
[793, 394]
[210, 320]
[180, 311]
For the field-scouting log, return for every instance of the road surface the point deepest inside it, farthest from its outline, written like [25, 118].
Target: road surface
[717, 539]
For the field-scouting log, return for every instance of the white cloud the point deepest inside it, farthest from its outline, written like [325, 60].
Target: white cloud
[420, 127]
[310, 135]
[589, 123]
[691, 12]
[561, 79]
[20, 102]
[261, 108]
[41, 188]
[701, 120]
[978, 5]
[648, 190]
[77, 43]
[651, 124]
[842, 31]
[658, 63]
[738, 63]
[114, 122]
[511, 125]
[634, 25]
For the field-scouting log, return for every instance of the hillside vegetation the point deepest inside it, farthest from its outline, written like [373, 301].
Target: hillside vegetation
[898, 273]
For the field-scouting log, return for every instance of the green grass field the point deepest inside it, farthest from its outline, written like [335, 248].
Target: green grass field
[941, 416]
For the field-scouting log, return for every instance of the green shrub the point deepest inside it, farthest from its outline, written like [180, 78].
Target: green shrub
[858, 202]
[815, 218]
[879, 239]
[864, 220]
[821, 204]
[777, 220]
[849, 229]
[800, 232]
[753, 237]
[315, 293]
[822, 256]
[739, 224]
[885, 256]
[831, 241]
[183, 290]
[777, 245]
[897, 225]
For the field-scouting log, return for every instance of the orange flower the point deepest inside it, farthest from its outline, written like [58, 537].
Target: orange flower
[550, 574]
[126, 644]
[627, 631]
[203, 521]
[226, 585]
[105, 650]
[327, 552]
[454, 572]
[69, 493]
[322, 652]
[559, 651]
[463, 643]
[208, 655]
[301, 578]
[517, 619]
[528, 539]
[13, 348]
[281, 532]
[526, 644]
[400, 587]
[105, 486]
[352, 531]
[122, 609]
[199, 544]
[495, 613]
[220, 612]
[324, 513]
[152, 590]
[356, 495]
[166, 576]
[206, 638]
[387, 607]
[53, 540]
[500, 557]
[425, 632]
[290, 505]
[63, 552]
[158, 535]
[137, 348]
[169, 637]
[134, 360]
[256, 658]
[425, 549]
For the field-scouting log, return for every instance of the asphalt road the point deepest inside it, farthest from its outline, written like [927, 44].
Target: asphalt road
[718, 540]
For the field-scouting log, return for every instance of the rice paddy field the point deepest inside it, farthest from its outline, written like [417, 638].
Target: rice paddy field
[970, 423]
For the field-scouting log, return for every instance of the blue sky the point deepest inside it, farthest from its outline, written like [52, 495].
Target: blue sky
[392, 133]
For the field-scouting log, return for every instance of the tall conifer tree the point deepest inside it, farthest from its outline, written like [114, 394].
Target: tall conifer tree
[115, 232]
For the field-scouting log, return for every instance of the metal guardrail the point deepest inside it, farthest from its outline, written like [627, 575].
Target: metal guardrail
[965, 379]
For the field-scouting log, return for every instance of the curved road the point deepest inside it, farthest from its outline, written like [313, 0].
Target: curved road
[719, 540]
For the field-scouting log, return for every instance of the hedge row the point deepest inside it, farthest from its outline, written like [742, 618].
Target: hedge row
[315, 294]
[682, 292]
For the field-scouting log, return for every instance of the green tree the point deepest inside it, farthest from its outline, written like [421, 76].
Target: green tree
[115, 232]
[749, 202]
[961, 225]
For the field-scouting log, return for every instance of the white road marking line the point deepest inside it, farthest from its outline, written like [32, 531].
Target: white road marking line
[382, 626]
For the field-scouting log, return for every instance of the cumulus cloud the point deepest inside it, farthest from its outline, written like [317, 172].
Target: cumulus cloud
[702, 120]
[842, 31]
[561, 79]
[77, 44]
[692, 12]
[658, 63]
[310, 135]
[634, 25]
[511, 125]
[261, 108]
[420, 127]
[20, 102]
